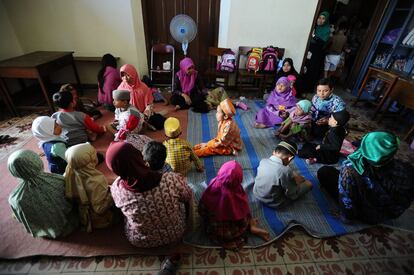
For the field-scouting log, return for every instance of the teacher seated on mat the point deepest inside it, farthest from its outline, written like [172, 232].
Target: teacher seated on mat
[153, 203]
[371, 185]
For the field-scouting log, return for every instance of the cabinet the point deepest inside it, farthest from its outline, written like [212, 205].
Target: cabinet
[393, 47]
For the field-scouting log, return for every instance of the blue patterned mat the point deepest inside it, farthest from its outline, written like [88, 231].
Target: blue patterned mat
[313, 211]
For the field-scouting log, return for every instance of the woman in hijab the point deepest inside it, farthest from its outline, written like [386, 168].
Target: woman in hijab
[141, 95]
[39, 202]
[188, 88]
[287, 69]
[371, 186]
[108, 80]
[153, 203]
[279, 103]
[224, 207]
[314, 63]
[89, 187]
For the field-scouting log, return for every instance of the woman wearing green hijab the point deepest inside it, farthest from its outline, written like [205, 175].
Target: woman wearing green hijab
[371, 186]
[322, 29]
[315, 57]
[39, 202]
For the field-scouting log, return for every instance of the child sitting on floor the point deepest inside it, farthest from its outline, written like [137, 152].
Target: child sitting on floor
[324, 103]
[89, 187]
[279, 101]
[74, 124]
[47, 131]
[128, 120]
[329, 151]
[276, 184]
[154, 154]
[298, 124]
[78, 104]
[180, 155]
[228, 140]
[224, 208]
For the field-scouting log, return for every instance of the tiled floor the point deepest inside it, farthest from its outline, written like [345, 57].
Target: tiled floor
[374, 251]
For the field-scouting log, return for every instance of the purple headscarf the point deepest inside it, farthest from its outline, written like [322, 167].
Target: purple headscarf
[187, 81]
[282, 99]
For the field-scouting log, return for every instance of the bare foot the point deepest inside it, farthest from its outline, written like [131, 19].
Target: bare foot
[260, 232]
[259, 126]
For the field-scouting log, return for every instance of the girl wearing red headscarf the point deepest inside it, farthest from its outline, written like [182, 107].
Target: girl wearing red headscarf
[141, 95]
[153, 203]
[224, 207]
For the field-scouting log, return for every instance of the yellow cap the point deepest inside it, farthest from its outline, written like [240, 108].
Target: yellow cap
[172, 127]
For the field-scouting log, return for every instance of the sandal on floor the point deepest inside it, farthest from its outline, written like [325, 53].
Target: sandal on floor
[168, 267]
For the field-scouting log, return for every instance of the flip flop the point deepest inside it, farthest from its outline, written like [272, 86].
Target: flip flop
[168, 267]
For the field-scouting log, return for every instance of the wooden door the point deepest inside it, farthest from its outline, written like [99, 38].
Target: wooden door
[157, 15]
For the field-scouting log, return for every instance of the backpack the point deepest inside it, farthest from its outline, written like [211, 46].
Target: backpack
[270, 59]
[228, 62]
[254, 59]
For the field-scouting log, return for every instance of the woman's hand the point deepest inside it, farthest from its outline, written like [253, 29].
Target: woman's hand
[186, 98]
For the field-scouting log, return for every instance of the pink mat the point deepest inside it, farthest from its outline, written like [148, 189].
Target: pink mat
[16, 243]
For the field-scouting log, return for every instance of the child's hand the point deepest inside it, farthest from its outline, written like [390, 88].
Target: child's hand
[318, 147]
[186, 98]
[322, 121]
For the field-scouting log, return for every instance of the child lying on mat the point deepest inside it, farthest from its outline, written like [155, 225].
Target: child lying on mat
[128, 121]
[228, 140]
[276, 184]
[224, 208]
[180, 155]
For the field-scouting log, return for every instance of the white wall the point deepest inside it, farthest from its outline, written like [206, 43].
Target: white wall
[87, 27]
[281, 23]
[9, 46]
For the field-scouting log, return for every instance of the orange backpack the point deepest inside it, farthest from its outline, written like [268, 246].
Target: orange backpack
[254, 58]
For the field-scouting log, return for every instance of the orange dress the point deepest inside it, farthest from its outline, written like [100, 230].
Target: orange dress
[227, 141]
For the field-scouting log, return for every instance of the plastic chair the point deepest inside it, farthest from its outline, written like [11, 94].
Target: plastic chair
[158, 54]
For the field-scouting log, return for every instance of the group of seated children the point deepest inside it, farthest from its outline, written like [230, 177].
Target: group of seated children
[150, 172]
[325, 117]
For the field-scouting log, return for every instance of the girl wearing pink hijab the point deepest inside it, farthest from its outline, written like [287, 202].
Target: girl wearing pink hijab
[141, 95]
[224, 207]
[188, 88]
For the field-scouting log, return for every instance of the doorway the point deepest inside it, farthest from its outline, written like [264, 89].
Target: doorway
[362, 19]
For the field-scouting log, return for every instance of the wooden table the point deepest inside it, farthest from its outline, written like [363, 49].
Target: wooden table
[35, 65]
[386, 76]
